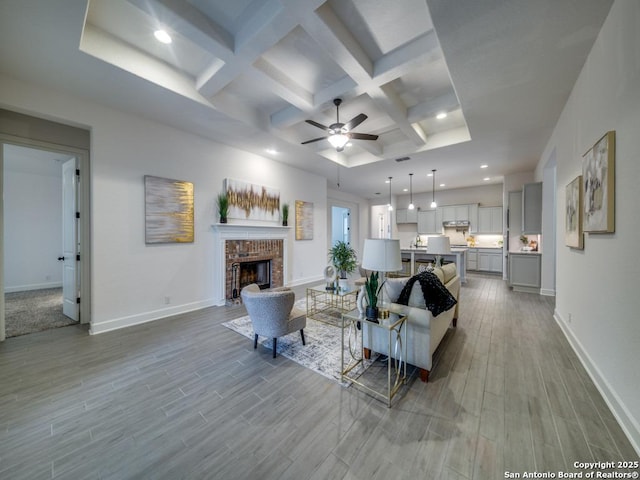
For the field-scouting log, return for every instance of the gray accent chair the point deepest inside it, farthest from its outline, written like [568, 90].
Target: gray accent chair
[272, 313]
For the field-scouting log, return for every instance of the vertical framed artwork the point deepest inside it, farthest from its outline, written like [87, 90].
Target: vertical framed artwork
[573, 236]
[304, 220]
[248, 201]
[168, 210]
[598, 179]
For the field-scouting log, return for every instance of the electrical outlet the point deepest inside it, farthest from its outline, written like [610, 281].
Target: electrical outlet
[167, 300]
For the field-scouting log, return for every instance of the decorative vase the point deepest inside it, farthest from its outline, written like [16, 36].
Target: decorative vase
[343, 283]
[284, 223]
[223, 219]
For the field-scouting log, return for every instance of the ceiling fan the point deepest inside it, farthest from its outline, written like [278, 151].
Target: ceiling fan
[340, 133]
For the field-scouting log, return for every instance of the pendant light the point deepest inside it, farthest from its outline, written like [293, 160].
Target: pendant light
[433, 198]
[411, 205]
[390, 206]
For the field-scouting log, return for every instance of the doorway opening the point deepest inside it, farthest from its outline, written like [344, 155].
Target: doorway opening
[40, 242]
[340, 225]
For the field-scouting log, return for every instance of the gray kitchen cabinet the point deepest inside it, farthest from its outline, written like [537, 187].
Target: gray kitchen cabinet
[490, 260]
[532, 208]
[489, 220]
[404, 215]
[515, 213]
[524, 272]
[461, 212]
[473, 218]
[427, 223]
[472, 259]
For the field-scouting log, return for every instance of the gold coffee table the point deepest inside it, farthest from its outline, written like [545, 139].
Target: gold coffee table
[327, 306]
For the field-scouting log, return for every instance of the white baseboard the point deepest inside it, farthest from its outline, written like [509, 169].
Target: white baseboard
[626, 420]
[547, 292]
[302, 281]
[34, 286]
[123, 322]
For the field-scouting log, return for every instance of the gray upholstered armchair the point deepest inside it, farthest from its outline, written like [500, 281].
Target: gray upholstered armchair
[272, 313]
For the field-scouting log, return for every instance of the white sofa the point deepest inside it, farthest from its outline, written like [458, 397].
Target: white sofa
[424, 331]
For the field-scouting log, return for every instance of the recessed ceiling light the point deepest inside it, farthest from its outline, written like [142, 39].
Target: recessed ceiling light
[441, 115]
[271, 151]
[442, 184]
[429, 174]
[486, 179]
[387, 181]
[484, 166]
[162, 36]
[405, 189]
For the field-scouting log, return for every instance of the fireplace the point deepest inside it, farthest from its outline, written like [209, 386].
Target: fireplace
[246, 273]
[236, 245]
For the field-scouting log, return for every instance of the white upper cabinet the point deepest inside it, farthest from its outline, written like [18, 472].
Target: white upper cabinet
[489, 220]
[404, 215]
[427, 223]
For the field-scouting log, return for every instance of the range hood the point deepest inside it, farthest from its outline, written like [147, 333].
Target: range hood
[457, 224]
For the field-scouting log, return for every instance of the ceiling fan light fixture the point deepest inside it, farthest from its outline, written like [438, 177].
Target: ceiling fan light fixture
[338, 141]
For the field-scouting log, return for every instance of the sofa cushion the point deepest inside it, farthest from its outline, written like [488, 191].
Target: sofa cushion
[438, 272]
[393, 287]
[449, 271]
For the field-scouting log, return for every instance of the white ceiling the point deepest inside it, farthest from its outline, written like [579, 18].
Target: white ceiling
[248, 73]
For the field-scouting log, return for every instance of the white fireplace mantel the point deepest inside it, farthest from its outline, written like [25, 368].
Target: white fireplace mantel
[225, 231]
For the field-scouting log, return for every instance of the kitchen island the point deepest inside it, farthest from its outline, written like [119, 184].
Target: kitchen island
[417, 255]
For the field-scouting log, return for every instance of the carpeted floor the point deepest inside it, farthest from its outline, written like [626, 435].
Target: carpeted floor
[34, 311]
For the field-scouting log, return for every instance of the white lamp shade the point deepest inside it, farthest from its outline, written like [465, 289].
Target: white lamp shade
[381, 255]
[439, 245]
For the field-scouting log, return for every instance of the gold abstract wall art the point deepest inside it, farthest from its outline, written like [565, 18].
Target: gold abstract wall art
[304, 220]
[168, 210]
[598, 179]
[252, 202]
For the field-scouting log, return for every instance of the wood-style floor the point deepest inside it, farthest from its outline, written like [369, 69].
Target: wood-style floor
[187, 398]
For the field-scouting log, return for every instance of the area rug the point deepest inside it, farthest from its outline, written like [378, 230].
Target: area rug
[34, 311]
[321, 352]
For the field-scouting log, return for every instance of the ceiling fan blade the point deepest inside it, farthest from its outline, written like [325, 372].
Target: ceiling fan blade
[363, 136]
[314, 140]
[355, 121]
[316, 124]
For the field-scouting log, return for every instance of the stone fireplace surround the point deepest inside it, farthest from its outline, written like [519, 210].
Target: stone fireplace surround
[237, 243]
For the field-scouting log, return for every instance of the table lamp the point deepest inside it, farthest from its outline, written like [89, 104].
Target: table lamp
[439, 245]
[381, 255]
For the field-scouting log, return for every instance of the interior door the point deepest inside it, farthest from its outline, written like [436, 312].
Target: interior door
[70, 294]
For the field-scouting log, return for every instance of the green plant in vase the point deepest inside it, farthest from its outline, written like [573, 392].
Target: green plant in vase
[372, 290]
[222, 203]
[285, 214]
[344, 258]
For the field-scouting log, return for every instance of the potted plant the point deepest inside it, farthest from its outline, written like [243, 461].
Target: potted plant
[222, 203]
[285, 214]
[344, 258]
[372, 289]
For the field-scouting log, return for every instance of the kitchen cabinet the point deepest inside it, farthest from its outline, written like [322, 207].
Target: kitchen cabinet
[490, 260]
[450, 213]
[461, 212]
[427, 223]
[472, 259]
[404, 215]
[473, 218]
[532, 208]
[489, 220]
[446, 214]
[524, 272]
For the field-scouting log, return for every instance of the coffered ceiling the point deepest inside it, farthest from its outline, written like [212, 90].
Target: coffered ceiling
[250, 72]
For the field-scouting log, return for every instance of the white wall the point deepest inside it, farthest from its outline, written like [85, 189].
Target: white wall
[32, 231]
[597, 301]
[130, 280]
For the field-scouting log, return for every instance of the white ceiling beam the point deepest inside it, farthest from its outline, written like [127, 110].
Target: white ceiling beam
[403, 59]
[392, 104]
[282, 85]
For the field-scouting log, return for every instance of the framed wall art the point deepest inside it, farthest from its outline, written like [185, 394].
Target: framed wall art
[304, 220]
[248, 201]
[573, 236]
[168, 210]
[598, 179]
